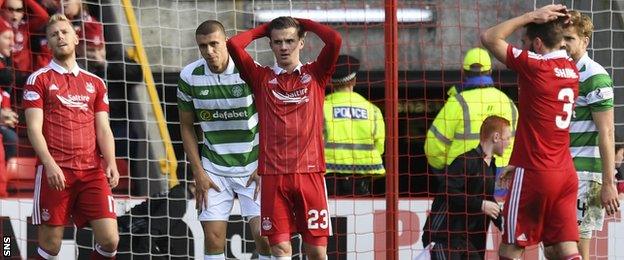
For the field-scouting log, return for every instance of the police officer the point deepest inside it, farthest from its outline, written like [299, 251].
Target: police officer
[455, 129]
[354, 134]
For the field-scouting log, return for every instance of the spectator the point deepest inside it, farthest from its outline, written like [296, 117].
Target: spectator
[354, 134]
[6, 44]
[7, 76]
[14, 12]
[91, 51]
[460, 217]
[454, 130]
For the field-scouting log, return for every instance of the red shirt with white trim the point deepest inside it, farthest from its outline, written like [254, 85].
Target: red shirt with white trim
[548, 87]
[69, 100]
[290, 106]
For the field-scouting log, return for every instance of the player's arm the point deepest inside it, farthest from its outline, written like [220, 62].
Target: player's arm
[236, 47]
[494, 38]
[106, 143]
[189, 141]
[332, 39]
[604, 121]
[34, 126]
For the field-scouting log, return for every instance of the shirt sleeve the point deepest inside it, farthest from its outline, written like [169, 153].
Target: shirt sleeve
[521, 61]
[33, 92]
[101, 98]
[600, 95]
[185, 95]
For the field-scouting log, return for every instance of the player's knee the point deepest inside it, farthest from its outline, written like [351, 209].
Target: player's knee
[281, 249]
[316, 254]
[109, 243]
[214, 242]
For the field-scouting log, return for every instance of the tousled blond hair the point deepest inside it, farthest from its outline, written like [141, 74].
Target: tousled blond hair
[582, 23]
[56, 18]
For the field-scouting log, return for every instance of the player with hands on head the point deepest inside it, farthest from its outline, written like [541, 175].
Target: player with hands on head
[541, 204]
[289, 97]
[67, 120]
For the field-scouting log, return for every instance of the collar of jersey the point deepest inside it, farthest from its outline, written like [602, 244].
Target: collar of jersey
[556, 54]
[278, 70]
[582, 61]
[231, 68]
[58, 68]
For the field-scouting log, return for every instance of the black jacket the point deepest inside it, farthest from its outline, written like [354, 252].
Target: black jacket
[456, 218]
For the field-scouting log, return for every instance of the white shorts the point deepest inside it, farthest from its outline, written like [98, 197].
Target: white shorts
[220, 203]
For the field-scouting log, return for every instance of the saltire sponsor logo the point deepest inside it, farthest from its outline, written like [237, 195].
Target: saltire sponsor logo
[75, 101]
[53, 87]
[298, 96]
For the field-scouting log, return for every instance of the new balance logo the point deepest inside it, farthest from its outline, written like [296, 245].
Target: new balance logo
[53, 87]
[522, 237]
[273, 81]
[204, 92]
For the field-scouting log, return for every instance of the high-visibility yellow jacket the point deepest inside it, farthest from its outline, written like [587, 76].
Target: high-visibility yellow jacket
[354, 134]
[455, 129]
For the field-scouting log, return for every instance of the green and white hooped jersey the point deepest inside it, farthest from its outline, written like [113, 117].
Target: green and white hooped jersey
[223, 105]
[595, 95]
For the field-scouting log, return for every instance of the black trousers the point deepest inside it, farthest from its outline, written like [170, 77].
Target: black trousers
[348, 184]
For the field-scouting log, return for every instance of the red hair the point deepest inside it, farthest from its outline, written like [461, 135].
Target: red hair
[491, 125]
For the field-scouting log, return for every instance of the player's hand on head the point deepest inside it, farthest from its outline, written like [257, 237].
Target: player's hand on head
[609, 198]
[549, 13]
[55, 177]
[112, 174]
[254, 178]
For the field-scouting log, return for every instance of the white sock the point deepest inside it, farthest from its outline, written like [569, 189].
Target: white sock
[264, 257]
[215, 257]
[43, 253]
[98, 248]
[281, 257]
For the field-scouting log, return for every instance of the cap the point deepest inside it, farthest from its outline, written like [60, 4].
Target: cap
[93, 34]
[4, 26]
[477, 60]
[346, 68]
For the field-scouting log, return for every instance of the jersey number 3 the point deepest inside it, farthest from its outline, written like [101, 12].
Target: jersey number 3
[317, 219]
[566, 95]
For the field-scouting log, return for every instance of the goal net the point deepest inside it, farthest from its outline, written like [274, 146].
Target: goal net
[156, 209]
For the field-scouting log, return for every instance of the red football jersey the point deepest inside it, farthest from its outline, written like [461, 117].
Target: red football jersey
[69, 100]
[290, 106]
[548, 87]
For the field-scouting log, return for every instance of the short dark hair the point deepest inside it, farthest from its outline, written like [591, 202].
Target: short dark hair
[285, 22]
[551, 33]
[619, 142]
[208, 27]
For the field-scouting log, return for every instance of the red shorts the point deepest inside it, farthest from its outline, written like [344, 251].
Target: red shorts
[541, 207]
[294, 203]
[86, 197]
